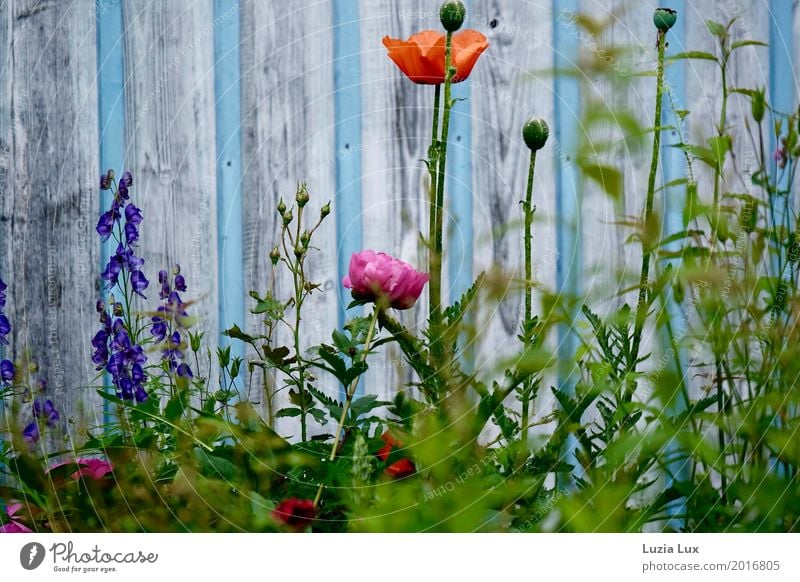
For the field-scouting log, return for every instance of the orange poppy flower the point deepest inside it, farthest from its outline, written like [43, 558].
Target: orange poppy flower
[421, 57]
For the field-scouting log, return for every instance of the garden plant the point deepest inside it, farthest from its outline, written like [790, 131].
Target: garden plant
[680, 412]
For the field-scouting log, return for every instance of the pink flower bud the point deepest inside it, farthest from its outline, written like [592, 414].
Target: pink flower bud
[378, 276]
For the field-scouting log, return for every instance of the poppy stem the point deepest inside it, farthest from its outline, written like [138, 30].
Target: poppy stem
[351, 390]
[436, 256]
[433, 168]
[529, 210]
[644, 281]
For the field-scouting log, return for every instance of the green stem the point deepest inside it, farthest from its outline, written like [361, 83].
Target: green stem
[437, 351]
[351, 390]
[644, 281]
[529, 211]
[299, 284]
[433, 168]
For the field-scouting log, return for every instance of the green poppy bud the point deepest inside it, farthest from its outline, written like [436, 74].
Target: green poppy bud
[535, 133]
[452, 14]
[664, 18]
[287, 218]
[281, 207]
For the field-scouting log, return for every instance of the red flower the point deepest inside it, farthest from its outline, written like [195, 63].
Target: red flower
[398, 469]
[296, 513]
[421, 57]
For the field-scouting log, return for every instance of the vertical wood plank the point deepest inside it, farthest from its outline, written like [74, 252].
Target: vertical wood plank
[111, 101]
[48, 205]
[169, 95]
[396, 134]
[511, 83]
[288, 136]
[228, 109]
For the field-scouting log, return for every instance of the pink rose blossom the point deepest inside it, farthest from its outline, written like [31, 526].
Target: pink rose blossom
[374, 276]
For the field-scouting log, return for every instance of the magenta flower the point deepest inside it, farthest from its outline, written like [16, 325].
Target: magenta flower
[378, 276]
[94, 469]
[14, 526]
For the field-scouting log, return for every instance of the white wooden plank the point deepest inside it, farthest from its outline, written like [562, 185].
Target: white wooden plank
[288, 128]
[511, 83]
[396, 134]
[169, 92]
[48, 201]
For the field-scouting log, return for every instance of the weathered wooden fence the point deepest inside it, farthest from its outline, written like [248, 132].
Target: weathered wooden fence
[219, 107]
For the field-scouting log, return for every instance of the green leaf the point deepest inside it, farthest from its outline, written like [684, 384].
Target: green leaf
[719, 148]
[717, 29]
[236, 333]
[741, 43]
[610, 179]
[288, 413]
[694, 55]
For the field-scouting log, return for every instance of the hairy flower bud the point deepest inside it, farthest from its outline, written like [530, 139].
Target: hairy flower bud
[302, 196]
[275, 255]
[535, 133]
[452, 14]
[326, 210]
[664, 18]
[281, 207]
[287, 218]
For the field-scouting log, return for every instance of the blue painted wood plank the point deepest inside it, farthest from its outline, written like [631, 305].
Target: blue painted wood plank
[111, 114]
[347, 113]
[459, 189]
[567, 122]
[674, 200]
[228, 115]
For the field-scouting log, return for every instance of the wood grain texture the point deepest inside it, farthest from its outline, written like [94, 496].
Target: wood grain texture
[48, 193]
[396, 135]
[288, 125]
[169, 93]
[511, 83]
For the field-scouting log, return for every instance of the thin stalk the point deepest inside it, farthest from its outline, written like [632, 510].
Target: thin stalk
[298, 279]
[433, 169]
[351, 390]
[644, 281]
[529, 211]
[436, 255]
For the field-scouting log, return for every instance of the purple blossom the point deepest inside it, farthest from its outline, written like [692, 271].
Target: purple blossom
[3, 288]
[168, 326]
[5, 328]
[6, 372]
[45, 410]
[31, 432]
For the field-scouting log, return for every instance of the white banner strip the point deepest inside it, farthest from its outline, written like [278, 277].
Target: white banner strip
[398, 557]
